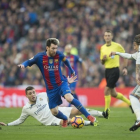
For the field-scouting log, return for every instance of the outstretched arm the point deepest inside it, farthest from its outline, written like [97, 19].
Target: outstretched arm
[124, 55]
[29, 62]
[20, 120]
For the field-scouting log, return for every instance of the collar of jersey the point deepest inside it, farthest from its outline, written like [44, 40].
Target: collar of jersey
[109, 45]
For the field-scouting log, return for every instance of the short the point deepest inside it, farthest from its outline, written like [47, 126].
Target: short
[65, 110]
[73, 86]
[136, 90]
[54, 95]
[112, 76]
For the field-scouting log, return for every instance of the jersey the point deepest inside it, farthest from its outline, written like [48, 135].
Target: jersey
[41, 112]
[113, 61]
[50, 68]
[136, 56]
[74, 60]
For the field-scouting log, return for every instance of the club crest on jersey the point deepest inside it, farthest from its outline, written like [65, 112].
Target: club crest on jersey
[56, 60]
[41, 99]
[45, 61]
[50, 61]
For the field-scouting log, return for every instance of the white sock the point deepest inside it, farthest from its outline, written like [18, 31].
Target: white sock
[95, 113]
[86, 123]
[135, 105]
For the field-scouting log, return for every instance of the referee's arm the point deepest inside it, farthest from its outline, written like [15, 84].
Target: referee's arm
[104, 59]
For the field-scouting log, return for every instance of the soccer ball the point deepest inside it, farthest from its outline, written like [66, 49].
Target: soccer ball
[77, 122]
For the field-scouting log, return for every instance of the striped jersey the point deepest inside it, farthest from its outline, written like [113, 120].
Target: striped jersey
[50, 68]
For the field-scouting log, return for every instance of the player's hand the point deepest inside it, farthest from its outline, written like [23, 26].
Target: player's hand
[21, 66]
[72, 79]
[112, 54]
[104, 57]
[124, 71]
[1, 123]
[138, 79]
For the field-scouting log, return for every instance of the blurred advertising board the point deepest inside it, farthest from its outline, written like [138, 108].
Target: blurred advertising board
[15, 97]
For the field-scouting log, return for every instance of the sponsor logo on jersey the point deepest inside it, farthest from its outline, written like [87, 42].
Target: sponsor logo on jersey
[51, 68]
[50, 61]
[41, 108]
[41, 99]
[38, 105]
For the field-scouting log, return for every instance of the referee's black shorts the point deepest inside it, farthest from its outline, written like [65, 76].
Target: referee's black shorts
[112, 76]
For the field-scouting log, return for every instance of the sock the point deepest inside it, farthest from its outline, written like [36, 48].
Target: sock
[135, 105]
[123, 98]
[95, 113]
[80, 107]
[75, 96]
[86, 123]
[60, 115]
[107, 102]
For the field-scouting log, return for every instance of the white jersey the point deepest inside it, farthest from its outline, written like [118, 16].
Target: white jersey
[135, 56]
[40, 111]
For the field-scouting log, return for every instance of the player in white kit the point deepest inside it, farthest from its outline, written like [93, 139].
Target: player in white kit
[38, 108]
[135, 95]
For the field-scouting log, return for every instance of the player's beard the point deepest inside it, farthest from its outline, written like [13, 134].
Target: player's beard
[52, 54]
[33, 100]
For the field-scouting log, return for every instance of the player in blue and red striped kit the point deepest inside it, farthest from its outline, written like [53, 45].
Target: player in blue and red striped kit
[74, 60]
[49, 63]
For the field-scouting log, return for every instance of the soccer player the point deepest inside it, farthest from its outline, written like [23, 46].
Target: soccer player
[49, 63]
[38, 108]
[135, 95]
[111, 69]
[74, 60]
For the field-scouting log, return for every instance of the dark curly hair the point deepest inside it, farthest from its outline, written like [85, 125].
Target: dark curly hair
[52, 41]
[137, 39]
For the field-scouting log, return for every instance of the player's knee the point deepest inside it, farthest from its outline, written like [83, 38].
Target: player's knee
[54, 112]
[69, 98]
[107, 91]
[113, 95]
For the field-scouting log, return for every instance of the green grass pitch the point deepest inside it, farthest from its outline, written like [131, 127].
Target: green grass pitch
[115, 128]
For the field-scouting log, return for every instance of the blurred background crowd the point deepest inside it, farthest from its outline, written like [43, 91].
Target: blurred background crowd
[26, 24]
